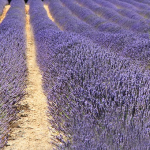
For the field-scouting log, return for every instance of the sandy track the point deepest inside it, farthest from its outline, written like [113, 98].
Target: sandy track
[48, 12]
[51, 17]
[5, 10]
[31, 131]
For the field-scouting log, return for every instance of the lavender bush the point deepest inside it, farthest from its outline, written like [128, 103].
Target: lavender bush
[144, 13]
[98, 99]
[122, 4]
[66, 20]
[91, 18]
[129, 44]
[143, 1]
[137, 4]
[131, 14]
[112, 15]
[106, 4]
[12, 65]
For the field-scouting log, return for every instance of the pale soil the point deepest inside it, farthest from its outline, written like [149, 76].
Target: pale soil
[31, 131]
[51, 17]
[48, 12]
[6, 8]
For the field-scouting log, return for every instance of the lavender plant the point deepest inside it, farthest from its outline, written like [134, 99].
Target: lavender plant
[91, 18]
[131, 14]
[126, 43]
[122, 4]
[12, 65]
[112, 15]
[66, 20]
[98, 99]
[106, 4]
[144, 13]
[137, 4]
[143, 1]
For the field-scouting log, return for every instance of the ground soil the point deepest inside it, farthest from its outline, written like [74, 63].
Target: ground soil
[51, 17]
[5, 10]
[48, 12]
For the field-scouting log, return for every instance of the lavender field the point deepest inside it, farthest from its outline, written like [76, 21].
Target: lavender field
[94, 58]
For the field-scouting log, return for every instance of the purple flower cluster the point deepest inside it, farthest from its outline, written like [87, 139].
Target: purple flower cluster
[2, 5]
[12, 65]
[40, 21]
[131, 14]
[66, 20]
[105, 3]
[91, 18]
[114, 16]
[144, 13]
[128, 12]
[126, 43]
[143, 1]
[122, 4]
[137, 4]
[97, 99]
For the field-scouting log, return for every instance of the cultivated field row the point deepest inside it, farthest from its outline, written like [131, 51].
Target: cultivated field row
[75, 73]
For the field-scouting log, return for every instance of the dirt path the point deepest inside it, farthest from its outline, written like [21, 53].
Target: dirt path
[48, 12]
[31, 131]
[51, 17]
[6, 8]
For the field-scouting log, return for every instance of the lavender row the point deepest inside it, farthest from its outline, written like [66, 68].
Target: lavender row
[132, 14]
[112, 15]
[144, 1]
[121, 4]
[66, 20]
[137, 4]
[144, 13]
[40, 21]
[98, 99]
[91, 18]
[85, 84]
[12, 65]
[129, 44]
[138, 14]
[106, 4]
[2, 5]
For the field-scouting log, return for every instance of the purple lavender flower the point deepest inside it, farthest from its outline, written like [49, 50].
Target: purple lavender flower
[12, 65]
[98, 99]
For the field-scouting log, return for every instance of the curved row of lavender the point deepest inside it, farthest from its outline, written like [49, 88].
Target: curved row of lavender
[2, 5]
[135, 8]
[137, 4]
[99, 22]
[121, 4]
[114, 16]
[91, 18]
[130, 13]
[143, 1]
[98, 99]
[12, 65]
[129, 44]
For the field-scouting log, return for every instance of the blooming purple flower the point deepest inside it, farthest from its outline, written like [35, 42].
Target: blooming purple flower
[12, 65]
[98, 96]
